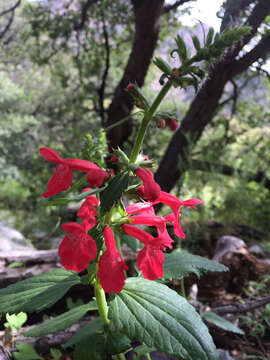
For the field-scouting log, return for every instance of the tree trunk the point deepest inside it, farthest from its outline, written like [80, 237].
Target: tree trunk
[147, 17]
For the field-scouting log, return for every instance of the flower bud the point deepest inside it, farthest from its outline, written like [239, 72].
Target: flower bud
[161, 123]
[130, 87]
[175, 73]
[114, 159]
[173, 124]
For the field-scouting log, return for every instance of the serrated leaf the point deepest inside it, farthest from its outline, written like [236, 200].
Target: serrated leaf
[26, 352]
[180, 264]
[157, 316]
[62, 321]
[142, 349]
[116, 186]
[91, 348]
[94, 327]
[217, 320]
[37, 293]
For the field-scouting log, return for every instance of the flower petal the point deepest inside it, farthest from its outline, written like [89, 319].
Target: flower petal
[151, 188]
[111, 265]
[81, 165]
[150, 261]
[96, 177]
[139, 234]
[60, 181]
[51, 155]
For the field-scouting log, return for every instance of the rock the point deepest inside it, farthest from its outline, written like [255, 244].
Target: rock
[11, 239]
[228, 244]
[256, 250]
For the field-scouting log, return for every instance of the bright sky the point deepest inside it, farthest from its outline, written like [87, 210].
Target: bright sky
[205, 11]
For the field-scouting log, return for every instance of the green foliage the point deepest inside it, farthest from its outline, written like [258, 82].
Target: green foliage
[160, 318]
[26, 352]
[37, 293]
[113, 192]
[15, 322]
[63, 321]
[217, 320]
[180, 264]
[95, 148]
[96, 351]
[93, 328]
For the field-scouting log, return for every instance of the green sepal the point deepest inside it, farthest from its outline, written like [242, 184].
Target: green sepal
[115, 189]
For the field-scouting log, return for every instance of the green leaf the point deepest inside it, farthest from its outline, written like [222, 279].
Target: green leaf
[142, 349]
[116, 186]
[180, 263]
[94, 327]
[66, 200]
[196, 42]
[117, 343]
[209, 36]
[15, 322]
[37, 293]
[157, 316]
[91, 348]
[26, 352]
[56, 354]
[62, 321]
[217, 320]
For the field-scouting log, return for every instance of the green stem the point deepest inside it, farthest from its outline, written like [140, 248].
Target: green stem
[121, 121]
[101, 303]
[183, 292]
[148, 357]
[146, 120]
[121, 356]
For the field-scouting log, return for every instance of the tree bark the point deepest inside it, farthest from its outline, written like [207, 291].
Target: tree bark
[205, 105]
[147, 17]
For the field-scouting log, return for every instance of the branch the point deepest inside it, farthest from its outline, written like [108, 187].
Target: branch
[11, 9]
[233, 11]
[255, 19]
[101, 90]
[259, 51]
[84, 10]
[168, 8]
[239, 308]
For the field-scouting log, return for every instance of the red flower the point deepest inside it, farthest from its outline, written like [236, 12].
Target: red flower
[96, 176]
[62, 177]
[175, 204]
[151, 258]
[111, 265]
[88, 209]
[151, 189]
[142, 208]
[77, 248]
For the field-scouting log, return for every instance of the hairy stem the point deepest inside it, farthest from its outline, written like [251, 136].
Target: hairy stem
[146, 120]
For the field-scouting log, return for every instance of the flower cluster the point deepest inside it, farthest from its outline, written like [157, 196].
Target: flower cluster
[78, 247]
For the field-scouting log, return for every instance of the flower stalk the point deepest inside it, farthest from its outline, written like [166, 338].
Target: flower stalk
[146, 120]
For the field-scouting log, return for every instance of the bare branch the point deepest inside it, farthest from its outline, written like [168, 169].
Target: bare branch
[239, 308]
[9, 23]
[101, 90]
[174, 6]
[84, 10]
[11, 9]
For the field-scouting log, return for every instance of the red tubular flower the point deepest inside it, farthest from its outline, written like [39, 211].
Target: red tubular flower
[175, 204]
[88, 209]
[151, 258]
[62, 177]
[77, 248]
[151, 188]
[142, 208]
[111, 265]
[96, 176]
